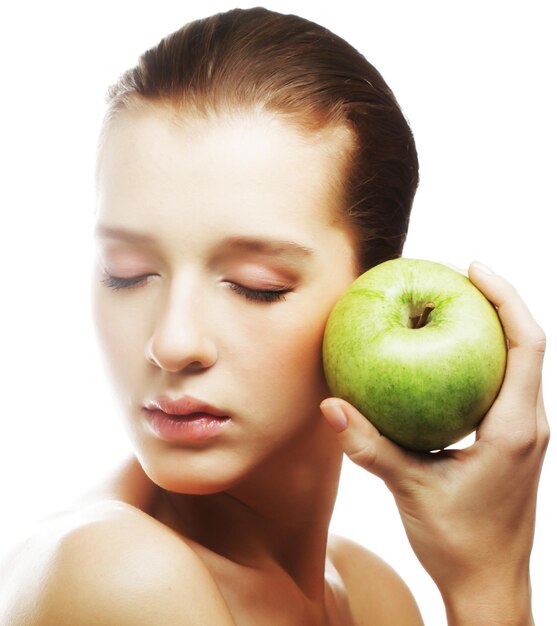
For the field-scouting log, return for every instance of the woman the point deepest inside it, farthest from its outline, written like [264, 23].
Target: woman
[249, 168]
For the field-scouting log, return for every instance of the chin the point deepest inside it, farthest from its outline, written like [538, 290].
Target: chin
[189, 476]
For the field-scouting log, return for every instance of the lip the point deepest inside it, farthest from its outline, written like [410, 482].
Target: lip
[187, 405]
[185, 420]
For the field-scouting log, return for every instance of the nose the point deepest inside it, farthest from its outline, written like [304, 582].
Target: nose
[181, 339]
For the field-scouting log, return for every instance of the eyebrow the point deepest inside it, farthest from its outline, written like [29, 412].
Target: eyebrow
[124, 234]
[261, 245]
[266, 245]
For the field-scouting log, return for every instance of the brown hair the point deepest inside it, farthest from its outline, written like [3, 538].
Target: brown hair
[292, 67]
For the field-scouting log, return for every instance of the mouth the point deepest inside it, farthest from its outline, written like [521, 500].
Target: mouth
[196, 416]
[185, 420]
[184, 407]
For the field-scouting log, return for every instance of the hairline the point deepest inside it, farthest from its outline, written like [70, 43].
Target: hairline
[334, 135]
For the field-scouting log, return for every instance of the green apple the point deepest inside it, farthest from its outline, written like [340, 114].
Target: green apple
[417, 349]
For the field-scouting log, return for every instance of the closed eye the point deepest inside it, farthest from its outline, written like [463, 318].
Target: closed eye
[259, 295]
[116, 283]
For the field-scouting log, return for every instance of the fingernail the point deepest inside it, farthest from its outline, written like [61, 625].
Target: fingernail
[483, 268]
[335, 416]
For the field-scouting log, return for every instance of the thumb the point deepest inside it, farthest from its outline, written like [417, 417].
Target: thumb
[364, 444]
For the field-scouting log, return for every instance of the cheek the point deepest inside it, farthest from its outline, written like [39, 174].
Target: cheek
[117, 330]
[284, 355]
[303, 351]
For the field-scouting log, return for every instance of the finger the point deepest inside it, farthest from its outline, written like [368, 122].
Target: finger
[526, 339]
[519, 394]
[520, 326]
[363, 443]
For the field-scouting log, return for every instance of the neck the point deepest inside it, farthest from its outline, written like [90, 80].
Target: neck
[278, 519]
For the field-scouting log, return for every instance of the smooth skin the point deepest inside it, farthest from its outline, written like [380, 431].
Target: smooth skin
[235, 530]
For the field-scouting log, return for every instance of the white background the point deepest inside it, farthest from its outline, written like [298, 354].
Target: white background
[477, 82]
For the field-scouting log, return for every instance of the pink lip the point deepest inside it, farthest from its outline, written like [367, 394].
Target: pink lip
[185, 420]
[183, 406]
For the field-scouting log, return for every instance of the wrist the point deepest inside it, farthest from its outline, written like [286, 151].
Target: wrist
[490, 603]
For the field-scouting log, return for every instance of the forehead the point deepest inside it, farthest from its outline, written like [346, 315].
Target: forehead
[249, 165]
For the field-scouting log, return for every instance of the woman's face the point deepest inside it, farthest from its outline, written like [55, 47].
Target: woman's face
[219, 260]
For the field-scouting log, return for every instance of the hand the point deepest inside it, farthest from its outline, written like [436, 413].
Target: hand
[469, 514]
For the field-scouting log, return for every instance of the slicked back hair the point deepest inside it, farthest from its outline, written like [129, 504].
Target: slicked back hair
[289, 66]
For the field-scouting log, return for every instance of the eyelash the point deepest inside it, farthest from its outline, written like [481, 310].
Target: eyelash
[253, 295]
[259, 295]
[116, 283]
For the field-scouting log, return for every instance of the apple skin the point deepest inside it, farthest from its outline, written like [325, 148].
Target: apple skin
[424, 388]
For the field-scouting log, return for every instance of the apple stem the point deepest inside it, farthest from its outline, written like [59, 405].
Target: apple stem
[419, 321]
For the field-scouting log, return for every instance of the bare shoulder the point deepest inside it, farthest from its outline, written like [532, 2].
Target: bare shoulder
[376, 593]
[108, 564]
